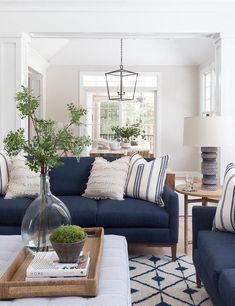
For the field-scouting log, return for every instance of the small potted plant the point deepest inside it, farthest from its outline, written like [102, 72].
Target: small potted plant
[68, 241]
[127, 134]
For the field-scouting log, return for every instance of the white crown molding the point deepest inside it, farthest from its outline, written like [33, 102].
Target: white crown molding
[103, 35]
[23, 35]
[116, 5]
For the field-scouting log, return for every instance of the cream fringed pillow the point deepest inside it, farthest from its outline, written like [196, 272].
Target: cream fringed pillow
[23, 182]
[107, 179]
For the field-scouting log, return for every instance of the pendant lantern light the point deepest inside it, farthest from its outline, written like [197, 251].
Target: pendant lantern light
[121, 83]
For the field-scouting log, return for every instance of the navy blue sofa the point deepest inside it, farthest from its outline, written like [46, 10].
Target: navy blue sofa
[214, 257]
[139, 221]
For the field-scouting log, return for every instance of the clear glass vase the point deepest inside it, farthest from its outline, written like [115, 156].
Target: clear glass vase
[43, 215]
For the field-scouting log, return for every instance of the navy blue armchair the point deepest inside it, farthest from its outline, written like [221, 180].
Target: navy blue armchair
[213, 257]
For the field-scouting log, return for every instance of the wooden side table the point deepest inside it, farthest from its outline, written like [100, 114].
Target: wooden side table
[203, 196]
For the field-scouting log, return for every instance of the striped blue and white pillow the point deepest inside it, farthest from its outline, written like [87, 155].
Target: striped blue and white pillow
[225, 213]
[4, 172]
[146, 180]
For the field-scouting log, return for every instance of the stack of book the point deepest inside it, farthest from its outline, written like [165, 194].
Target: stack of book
[46, 266]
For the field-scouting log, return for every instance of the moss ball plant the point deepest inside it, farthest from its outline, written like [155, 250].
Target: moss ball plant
[68, 234]
[68, 242]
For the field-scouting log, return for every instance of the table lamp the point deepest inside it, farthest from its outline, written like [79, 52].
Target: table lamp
[209, 133]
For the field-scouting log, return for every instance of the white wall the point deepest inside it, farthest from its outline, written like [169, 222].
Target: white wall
[178, 97]
[37, 62]
[13, 74]
[62, 88]
[39, 65]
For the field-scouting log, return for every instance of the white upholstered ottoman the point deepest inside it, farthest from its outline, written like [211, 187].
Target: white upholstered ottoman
[114, 285]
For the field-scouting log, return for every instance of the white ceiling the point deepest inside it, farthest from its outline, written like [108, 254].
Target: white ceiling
[48, 47]
[162, 51]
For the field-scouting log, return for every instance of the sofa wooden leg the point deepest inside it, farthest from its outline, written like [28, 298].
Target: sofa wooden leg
[198, 280]
[173, 252]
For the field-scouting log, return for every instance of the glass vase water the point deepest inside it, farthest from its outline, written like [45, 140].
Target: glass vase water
[43, 215]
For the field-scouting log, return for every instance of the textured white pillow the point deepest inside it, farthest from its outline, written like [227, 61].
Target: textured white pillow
[225, 212]
[23, 182]
[107, 179]
[146, 179]
[5, 163]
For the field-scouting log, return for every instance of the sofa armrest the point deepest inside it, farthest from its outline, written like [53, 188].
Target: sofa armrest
[171, 201]
[170, 180]
[203, 217]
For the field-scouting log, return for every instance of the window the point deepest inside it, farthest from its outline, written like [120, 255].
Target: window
[107, 114]
[207, 81]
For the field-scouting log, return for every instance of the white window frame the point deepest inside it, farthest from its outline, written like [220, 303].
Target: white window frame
[209, 69]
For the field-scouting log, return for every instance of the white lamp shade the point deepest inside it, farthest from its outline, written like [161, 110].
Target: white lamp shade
[208, 131]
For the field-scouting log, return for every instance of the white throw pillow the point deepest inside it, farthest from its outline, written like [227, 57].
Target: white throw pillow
[225, 213]
[107, 179]
[5, 163]
[146, 179]
[23, 182]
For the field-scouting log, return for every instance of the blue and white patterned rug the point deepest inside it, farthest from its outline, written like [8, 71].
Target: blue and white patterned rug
[157, 281]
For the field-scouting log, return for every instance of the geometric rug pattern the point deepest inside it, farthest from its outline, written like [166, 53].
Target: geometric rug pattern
[157, 281]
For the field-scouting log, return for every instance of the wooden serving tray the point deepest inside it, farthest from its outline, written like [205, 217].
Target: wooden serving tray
[13, 284]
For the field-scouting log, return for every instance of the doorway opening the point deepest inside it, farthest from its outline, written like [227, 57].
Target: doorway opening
[104, 114]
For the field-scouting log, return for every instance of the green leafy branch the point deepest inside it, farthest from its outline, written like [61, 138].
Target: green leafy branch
[43, 147]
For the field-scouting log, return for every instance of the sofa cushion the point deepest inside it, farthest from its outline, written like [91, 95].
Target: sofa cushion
[107, 179]
[225, 213]
[218, 252]
[83, 210]
[23, 182]
[4, 171]
[13, 210]
[71, 178]
[227, 286]
[146, 179]
[131, 213]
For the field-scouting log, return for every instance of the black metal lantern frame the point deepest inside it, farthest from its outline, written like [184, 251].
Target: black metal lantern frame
[122, 76]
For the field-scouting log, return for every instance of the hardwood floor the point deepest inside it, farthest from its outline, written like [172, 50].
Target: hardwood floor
[138, 249]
